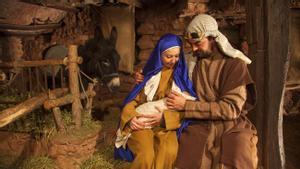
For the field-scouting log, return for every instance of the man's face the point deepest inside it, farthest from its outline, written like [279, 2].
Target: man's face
[201, 48]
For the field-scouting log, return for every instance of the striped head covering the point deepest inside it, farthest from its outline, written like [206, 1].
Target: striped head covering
[204, 25]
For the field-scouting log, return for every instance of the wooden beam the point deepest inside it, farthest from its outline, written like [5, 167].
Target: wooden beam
[255, 26]
[136, 3]
[267, 23]
[277, 34]
[35, 63]
[67, 99]
[60, 125]
[74, 85]
[11, 114]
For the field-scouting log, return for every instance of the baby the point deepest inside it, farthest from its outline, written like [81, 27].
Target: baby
[146, 108]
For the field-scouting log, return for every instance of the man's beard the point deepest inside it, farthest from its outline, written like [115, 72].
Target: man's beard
[202, 54]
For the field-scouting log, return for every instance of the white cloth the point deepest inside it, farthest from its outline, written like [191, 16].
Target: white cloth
[121, 139]
[206, 24]
[151, 86]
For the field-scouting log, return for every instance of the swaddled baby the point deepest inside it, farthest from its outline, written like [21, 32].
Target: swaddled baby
[156, 107]
[151, 107]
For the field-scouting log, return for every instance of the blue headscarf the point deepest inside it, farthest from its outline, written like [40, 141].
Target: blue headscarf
[154, 66]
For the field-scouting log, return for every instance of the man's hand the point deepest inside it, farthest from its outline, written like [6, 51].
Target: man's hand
[135, 124]
[138, 76]
[175, 101]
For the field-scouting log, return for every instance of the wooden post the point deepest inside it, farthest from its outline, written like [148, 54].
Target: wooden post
[89, 103]
[57, 116]
[267, 23]
[67, 99]
[255, 27]
[277, 53]
[73, 61]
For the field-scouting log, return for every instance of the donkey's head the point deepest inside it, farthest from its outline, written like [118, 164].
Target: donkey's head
[101, 59]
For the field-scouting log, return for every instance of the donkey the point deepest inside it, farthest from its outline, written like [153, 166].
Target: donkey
[101, 59]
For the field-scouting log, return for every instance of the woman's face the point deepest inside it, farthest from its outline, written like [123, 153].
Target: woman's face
[170, 57]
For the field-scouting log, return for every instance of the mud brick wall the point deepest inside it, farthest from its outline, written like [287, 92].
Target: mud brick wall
[154, 22]
[157, 19]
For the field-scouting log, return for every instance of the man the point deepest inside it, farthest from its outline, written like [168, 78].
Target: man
[219, 135]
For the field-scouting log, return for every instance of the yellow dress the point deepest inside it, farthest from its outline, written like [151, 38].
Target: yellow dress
[154, 148]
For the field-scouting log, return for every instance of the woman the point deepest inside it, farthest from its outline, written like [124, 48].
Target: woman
[155, 146]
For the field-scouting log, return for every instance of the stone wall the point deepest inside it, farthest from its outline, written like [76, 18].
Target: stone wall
[173, 18]
[159, 18]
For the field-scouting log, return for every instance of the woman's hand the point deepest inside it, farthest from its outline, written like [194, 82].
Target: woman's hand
[138, 76]
[135, 124]
[152, 119]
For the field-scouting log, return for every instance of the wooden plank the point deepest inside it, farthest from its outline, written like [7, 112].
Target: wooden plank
[67, 99]
[257, 52]
[268, 40]
[136, 3]
[60, 125]
[277, 33]
[34, 63]
[11, 114]
[74, 85]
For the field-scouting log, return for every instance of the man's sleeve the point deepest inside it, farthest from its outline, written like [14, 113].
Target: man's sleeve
[229, 106]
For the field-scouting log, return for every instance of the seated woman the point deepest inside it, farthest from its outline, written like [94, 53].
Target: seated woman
[152, 141]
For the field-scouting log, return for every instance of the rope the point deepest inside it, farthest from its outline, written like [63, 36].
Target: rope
[92, 80]
[81, 84]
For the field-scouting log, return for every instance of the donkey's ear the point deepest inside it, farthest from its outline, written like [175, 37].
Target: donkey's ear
[113, 36]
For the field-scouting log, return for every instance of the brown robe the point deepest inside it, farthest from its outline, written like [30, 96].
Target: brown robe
[220, 133]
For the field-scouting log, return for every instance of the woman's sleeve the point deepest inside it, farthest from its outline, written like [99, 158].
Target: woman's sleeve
[129, 112]
[172, 119]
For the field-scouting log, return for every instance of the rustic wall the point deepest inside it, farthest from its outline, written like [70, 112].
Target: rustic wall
[122, 17]
[154, 22]
[20, 13]
[160, 17]
[14, 44]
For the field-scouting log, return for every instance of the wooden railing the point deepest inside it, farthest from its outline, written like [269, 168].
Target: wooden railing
[50, 99]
